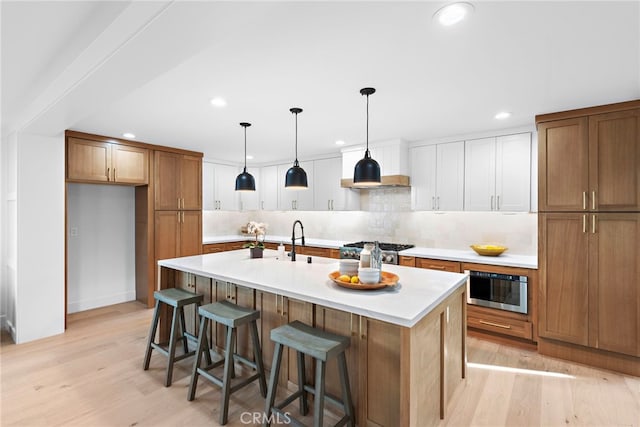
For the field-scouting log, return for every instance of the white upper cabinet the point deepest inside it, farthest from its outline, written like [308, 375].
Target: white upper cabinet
[392, 155]
[296, 200]
[328, 195]
[498, 173]
[218, 187]
[250, 200]
[437, 177]
[269, 188]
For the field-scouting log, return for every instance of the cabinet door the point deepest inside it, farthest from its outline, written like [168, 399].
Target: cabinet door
[88, 160]
[564, 277]
[480, 174]
[244, 297]
[190, 233]
[450, 176]
[614, 287]
[614, 161]
[563, 173]
[423, 178]
[191, 182]
[513, 172]
[271, 317]
[269, 185]
[286, 198]
[250, 200]
[327, 190]
[225, 183]
[167, 229]
[304, 198]
[166, 180]
[130, 164]
[208, 187]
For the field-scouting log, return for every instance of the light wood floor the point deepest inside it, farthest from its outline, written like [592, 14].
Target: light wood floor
[92, 376]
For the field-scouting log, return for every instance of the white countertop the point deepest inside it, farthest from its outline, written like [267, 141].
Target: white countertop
[505, 259]
[467, 255]
[417, 293]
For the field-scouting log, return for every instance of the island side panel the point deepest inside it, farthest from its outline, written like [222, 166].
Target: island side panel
[433, 355]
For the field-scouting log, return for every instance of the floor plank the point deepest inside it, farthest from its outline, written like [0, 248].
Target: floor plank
[92, 376]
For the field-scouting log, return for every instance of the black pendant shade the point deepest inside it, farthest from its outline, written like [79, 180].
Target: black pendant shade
[245, 181]
[367, 170]
[296, 177]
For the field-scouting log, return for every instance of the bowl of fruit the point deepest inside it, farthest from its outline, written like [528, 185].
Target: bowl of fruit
[385, 279]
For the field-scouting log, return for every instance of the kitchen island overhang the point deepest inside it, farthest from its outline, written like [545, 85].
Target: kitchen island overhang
[414, 332]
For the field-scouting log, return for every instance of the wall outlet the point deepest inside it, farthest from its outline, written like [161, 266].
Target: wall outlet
[73, 231]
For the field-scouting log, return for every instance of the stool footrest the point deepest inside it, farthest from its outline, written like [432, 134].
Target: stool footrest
[331, 398]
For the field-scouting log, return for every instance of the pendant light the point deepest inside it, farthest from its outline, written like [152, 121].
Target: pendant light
[296, 178]
[367, 170]
[245, 181]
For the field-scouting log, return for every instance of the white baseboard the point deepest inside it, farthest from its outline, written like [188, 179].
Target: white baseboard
[88, 304]
[8, 326]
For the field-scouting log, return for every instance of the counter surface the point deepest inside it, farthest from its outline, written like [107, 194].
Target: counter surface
[417, 293]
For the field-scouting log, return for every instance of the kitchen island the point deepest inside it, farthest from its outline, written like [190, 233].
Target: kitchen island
[407, 353]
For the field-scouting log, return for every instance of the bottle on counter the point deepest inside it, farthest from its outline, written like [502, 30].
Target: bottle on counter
[281, 256]
[365, 255]
[376, 256]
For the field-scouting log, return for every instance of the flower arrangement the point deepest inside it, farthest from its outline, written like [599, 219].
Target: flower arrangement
[258, 229]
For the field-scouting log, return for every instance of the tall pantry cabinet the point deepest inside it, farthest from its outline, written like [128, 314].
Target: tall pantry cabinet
[589, 235]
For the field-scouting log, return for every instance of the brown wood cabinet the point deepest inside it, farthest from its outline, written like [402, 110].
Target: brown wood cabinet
[177, 234]
[106, 162]
[589, 254]
[590, 162]
[178, 181]
[407, 261]
[590, 292]
[438, 264]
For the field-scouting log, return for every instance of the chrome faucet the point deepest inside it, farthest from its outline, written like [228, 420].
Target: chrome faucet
[294, 238]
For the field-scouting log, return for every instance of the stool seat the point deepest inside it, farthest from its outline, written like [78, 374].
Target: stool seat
[316, 343]
[228, 313]
[178, 299]
[232, 316]
[322, 346]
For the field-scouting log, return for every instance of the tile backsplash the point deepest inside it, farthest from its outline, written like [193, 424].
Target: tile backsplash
[388, 217]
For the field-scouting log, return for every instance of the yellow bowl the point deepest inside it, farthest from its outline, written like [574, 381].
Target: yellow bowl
[488, 250]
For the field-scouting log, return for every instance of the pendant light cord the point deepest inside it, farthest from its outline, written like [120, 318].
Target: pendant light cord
[367, 153]
[245, 148]
[296, 138]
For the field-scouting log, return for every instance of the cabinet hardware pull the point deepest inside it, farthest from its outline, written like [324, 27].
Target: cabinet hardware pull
[433, 203]
[351, 324]
[584, 223]
[262, 204]
[332, 204]
[329, 204]
[108, 174]
[491, 202]
[584, 200]
[114, 174]
[438, 202]
[362, 336]
[277, 309]
[498, 202]
[593, 224]
[497, 325]
[436, 267]
[593, 200]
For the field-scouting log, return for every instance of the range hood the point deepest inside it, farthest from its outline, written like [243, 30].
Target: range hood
[393, 157]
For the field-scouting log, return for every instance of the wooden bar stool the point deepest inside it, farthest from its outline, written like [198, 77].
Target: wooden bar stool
[232, 316]
[322, 346]
[178, 299]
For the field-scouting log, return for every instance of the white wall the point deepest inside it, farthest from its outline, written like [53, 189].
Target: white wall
[39, 299]
[8, 230]
[101, 245]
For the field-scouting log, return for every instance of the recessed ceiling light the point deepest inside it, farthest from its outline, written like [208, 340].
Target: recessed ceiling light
[339, 142]
[128, 135]
[453, 13]
[503, 115]
[249, 157]
[218, 102]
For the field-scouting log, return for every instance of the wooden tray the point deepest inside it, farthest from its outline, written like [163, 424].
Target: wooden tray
[388, 279]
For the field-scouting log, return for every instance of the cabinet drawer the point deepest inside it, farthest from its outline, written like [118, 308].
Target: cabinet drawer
[437, 264]
[500, 325]
[232, 246]
[213, 248]
[407, 261]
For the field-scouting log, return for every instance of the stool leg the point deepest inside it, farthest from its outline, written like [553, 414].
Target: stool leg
[304, 407]
[226, 382]
[273, 384]
[183, 330]
[152, 335]
[207, 354]
[172, 347]
[202, 344]
[318, 414]
[257, 351]
[346, 388]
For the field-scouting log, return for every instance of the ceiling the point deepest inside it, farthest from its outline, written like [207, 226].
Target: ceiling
[151, 68]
